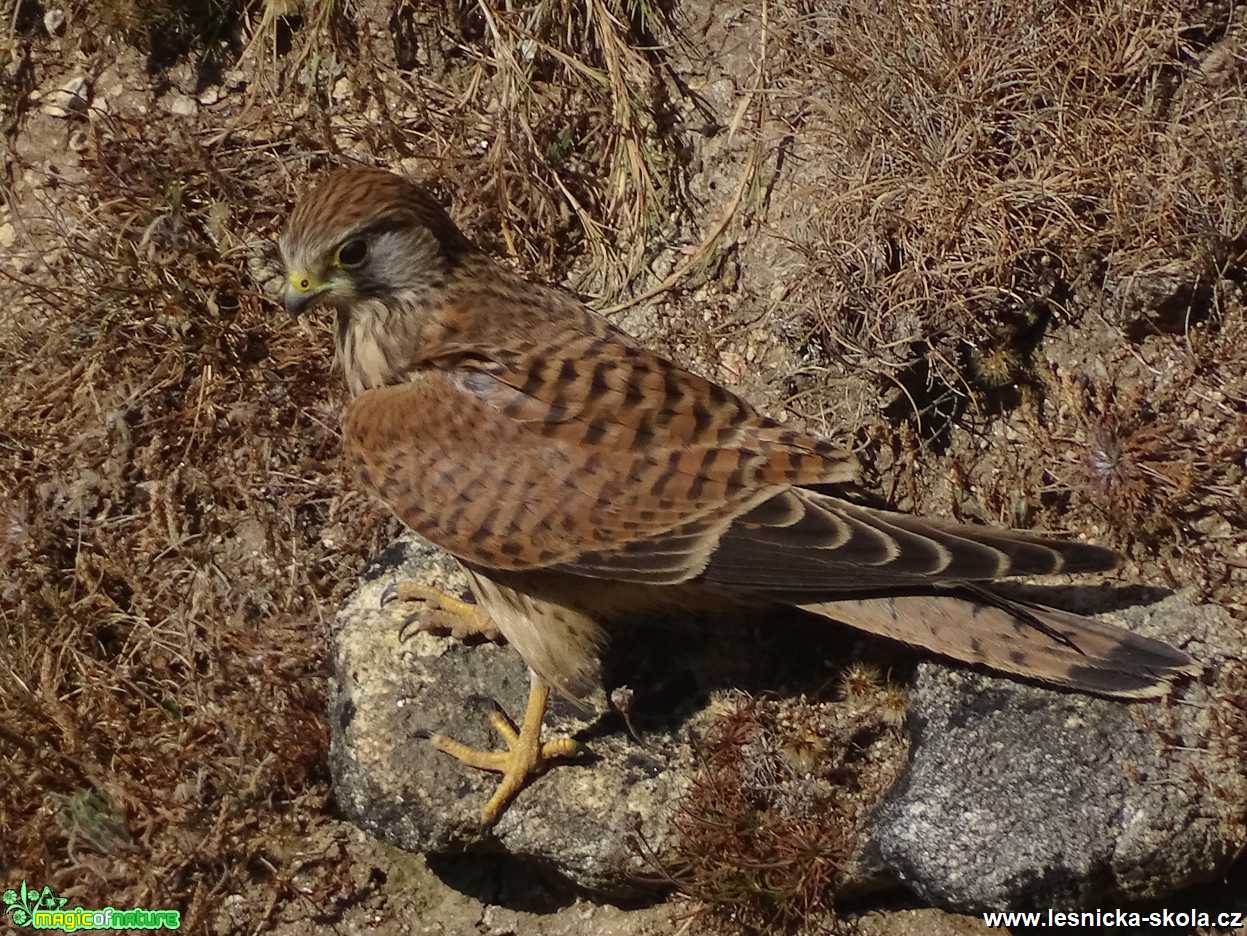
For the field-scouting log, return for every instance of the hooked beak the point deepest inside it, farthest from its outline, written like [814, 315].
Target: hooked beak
[301, 290]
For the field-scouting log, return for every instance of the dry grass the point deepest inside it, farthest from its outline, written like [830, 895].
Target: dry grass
[611, 170]
[552, 114]
[176, 531]
[983, 184]
[1035, 212]
[167, 30]
[983, 158]
[772, 819]
[175, 527]
[1227, 741]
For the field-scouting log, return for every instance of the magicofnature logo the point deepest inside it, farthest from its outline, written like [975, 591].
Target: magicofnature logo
[30, 908]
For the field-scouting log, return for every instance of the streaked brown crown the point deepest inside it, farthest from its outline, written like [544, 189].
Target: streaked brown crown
[347, 201]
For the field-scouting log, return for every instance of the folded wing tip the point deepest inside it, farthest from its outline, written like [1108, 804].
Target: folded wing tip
[1135, 685]
[1088, 557]
[1146, 670]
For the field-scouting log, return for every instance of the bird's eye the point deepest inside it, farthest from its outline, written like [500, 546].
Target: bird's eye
[352, 253]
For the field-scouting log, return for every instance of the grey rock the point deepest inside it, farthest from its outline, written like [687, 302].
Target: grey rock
[54, 21]
[578, 822]
[1014, 795]
[182, 105]
[66, 100]
[1166, 297]
[397, 786]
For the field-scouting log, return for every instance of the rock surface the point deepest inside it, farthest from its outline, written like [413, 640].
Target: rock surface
[1020, 797]
[580, 820]
[68, 99]
[1012, 795]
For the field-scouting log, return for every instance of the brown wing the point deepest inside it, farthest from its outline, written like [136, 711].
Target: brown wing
[607, 462]
[800, 545]
[592, 457]
[599, 458]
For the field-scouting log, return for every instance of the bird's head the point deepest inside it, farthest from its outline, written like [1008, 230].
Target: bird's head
[365, 233]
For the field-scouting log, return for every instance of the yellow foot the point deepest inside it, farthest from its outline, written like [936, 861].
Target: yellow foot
[527, 756]
[439, 612]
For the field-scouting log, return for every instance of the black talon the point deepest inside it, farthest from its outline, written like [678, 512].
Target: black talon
[503, 712]
[478, 700]
[407, 622]
[390, 593]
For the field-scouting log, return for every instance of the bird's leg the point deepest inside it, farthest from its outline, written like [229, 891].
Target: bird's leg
[439, 612]
[526, 756]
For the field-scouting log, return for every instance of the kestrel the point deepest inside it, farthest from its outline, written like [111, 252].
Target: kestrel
[579, 478]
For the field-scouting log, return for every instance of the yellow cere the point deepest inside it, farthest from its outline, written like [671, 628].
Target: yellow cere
[302, 281]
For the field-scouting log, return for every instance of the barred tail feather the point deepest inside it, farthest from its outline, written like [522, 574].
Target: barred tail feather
[1031, 641]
